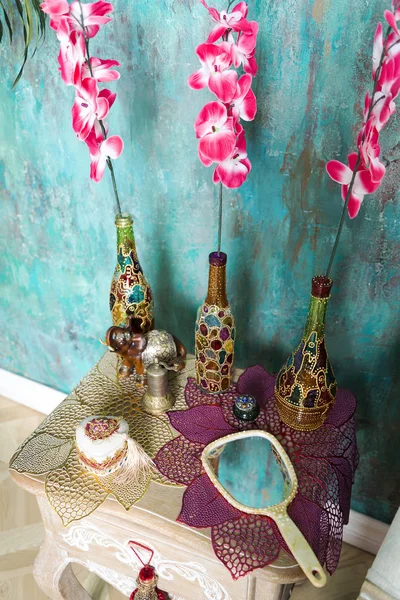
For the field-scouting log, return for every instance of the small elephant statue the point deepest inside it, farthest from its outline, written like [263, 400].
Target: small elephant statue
[139, 350]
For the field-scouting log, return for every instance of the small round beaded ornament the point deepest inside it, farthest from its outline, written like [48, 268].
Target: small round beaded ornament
[104, 447]
[102, 444]
[246, 408]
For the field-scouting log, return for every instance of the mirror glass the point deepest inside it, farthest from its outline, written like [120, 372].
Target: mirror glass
[251, 470]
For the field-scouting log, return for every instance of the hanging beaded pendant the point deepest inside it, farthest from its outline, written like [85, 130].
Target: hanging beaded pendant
[147, 579]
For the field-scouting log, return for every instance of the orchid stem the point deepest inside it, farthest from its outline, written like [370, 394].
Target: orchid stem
[341, 222]
[349, 191]
[103, 129]
[220, 219]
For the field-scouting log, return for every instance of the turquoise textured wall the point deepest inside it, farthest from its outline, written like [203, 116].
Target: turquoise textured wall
[57, 234]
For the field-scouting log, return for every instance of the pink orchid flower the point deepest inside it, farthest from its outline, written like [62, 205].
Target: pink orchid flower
[89, 105]
[382, 110]
[215, 72]
[389, 78]
[235, 20]
[215, 130]
[244, 103]
[72, 56]
[232, 173]
[93, 16]
[56, 9]
[109, 96]
[391, 20]
[101, 149]
[363, 183]
[101, 69]
[370, 150]
[244, 48]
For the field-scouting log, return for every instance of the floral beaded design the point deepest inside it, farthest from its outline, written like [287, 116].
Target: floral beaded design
[214, 347]
[306, 385]
[130, 293]
[102, 428]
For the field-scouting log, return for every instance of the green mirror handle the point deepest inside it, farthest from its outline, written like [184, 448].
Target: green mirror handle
[301, 550]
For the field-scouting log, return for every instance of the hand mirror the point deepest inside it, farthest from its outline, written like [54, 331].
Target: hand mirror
[254, 474]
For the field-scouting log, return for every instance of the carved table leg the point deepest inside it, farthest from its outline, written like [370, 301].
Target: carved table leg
[53, 573]
[52, 569]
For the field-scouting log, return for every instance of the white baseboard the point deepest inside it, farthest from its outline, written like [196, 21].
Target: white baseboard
[29, 393]
[362, 531]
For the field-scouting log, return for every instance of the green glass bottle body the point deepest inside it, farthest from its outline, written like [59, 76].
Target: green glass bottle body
[130, 294]
[215, 332]
[306, 387]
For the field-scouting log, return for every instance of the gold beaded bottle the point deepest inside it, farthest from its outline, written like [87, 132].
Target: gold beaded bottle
[305, 388]
[215, 332]
[130, 293]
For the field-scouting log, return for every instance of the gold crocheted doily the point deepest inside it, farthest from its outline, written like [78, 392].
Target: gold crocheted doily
[50, 450]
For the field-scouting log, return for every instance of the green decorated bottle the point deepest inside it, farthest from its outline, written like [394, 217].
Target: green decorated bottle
[130, 293]
[305, 388]
[215, 332]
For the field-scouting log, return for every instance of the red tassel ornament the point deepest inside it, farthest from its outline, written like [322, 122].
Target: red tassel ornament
[147, 579]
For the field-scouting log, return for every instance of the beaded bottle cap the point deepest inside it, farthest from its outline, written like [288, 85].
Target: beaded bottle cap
[321, 286]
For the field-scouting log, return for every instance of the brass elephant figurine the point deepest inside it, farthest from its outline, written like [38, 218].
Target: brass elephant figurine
[139, 350]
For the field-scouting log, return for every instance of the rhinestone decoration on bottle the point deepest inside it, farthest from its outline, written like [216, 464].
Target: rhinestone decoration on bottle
[130, 293]
[305, 388]
[215, 332]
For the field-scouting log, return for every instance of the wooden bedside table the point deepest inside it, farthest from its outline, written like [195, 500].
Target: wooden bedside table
[183, 557]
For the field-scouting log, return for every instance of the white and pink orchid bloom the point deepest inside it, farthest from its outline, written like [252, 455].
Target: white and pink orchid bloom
[383, 108]
[244, 103]
[235, 20]
[72, 56]
[93, 15]
[244, 48]
[389, 77]
[89, 105]
[100, 151]
[363, 183]
[215, 71]
[218, 125]
[232, 173]
[56, 9]
[215, 130]
[101, 69]
[391, 20]
[368, 144]
[396, 9]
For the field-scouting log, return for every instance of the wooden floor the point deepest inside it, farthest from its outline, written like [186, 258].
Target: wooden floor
[21, 532]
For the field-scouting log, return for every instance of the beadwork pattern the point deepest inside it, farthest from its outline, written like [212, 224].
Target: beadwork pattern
[50, 451]
[130, 293]
[214, 347]
[306, 385]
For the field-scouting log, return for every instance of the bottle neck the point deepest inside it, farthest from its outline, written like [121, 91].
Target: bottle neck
[316, 317]
[126, 240]
[216, 293]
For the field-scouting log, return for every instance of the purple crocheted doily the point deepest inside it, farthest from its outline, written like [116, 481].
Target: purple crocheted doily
[325, 461]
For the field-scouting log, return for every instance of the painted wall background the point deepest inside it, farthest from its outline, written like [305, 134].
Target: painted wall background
[57, 241]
